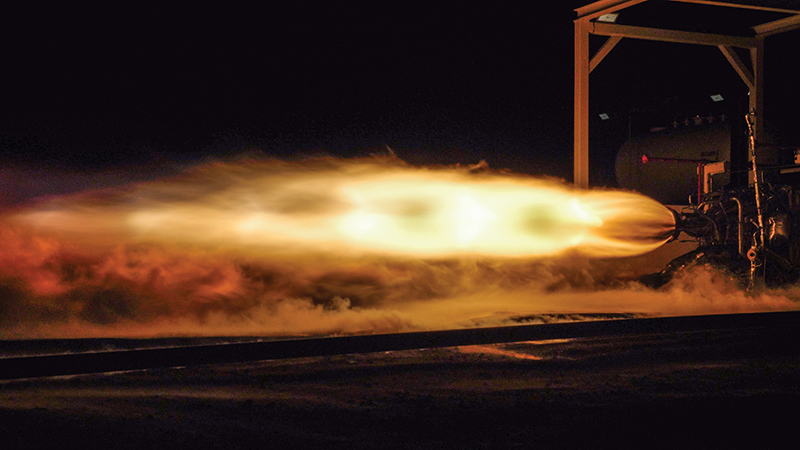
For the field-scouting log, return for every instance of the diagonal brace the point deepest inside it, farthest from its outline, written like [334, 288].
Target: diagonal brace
[738, 65]
[604, 50]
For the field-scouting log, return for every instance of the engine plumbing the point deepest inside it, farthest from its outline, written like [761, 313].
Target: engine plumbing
[749, 231]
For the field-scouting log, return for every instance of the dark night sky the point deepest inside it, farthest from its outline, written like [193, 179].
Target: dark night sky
[94, 88]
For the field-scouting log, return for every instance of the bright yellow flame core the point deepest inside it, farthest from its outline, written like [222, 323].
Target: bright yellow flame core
[364, 206]
[414, 215]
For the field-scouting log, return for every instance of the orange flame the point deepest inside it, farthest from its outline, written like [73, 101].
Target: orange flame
[370, 206]
[338, 246]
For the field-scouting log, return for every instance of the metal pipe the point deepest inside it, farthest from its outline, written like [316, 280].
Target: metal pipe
[740, 228]
[756, 184]
[755, 254]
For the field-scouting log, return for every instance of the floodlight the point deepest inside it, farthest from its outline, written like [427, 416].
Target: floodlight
[609, 18]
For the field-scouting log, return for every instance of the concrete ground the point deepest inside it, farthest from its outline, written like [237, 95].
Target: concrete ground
[719, 389]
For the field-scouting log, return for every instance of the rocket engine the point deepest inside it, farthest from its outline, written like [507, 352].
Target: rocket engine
[729, 233]
[752, 232]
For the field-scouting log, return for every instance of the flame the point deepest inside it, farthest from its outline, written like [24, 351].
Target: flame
[366, 206]
[339, 246]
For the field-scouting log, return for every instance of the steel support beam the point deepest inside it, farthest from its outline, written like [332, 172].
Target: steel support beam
[736, 5]
[604, 50]
[681, 37]
[738, 66]
[778, 26]
[757, 92]
[581, 107]
[597, 9]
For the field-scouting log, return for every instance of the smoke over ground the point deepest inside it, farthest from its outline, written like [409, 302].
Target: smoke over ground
[278, 248]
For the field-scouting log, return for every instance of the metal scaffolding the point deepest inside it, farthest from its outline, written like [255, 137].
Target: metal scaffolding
[587, 23]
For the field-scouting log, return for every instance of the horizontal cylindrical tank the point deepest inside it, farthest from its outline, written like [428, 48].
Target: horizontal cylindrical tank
[671, 182]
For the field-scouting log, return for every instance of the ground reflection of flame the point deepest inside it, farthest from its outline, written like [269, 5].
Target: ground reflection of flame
[496, 350]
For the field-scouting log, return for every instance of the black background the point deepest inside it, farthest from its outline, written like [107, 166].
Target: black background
[107, 86]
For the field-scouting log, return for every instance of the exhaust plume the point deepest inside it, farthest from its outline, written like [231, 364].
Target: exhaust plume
[362, 206]
[335, 246]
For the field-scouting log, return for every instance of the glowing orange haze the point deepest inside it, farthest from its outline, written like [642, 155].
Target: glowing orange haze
[337, 246]
[361, 206]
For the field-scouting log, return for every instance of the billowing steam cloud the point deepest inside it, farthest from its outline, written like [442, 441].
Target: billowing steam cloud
[336, 246]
